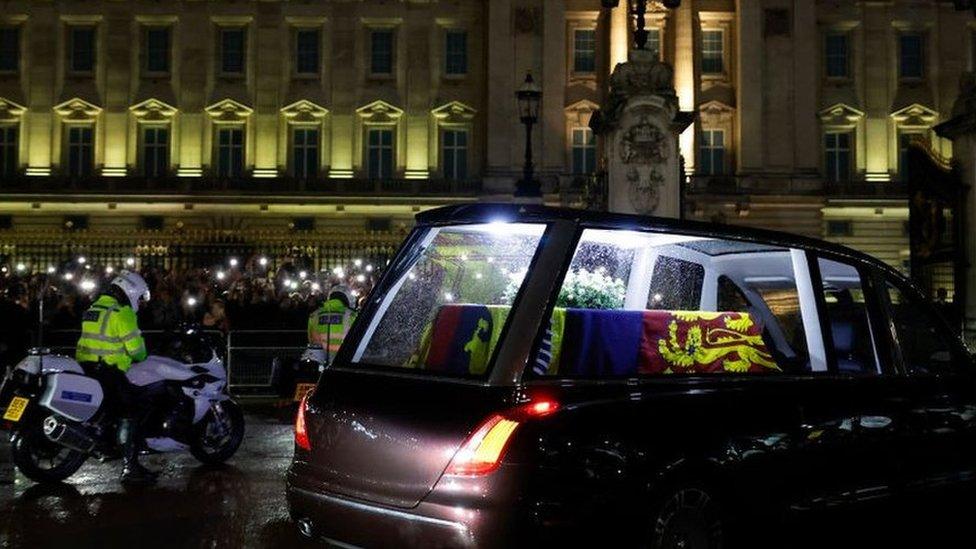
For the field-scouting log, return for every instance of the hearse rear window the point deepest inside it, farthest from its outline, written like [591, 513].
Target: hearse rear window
[653, 304]
[445, 313]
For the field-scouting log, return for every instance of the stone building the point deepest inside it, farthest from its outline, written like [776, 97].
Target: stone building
[151, 128]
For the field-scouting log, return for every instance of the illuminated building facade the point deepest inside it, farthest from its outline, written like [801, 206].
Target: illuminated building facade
[328, 124]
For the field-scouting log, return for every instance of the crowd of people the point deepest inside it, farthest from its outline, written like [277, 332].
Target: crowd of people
[253, 293]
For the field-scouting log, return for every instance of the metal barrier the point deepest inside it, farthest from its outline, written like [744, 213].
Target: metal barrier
[252, 357]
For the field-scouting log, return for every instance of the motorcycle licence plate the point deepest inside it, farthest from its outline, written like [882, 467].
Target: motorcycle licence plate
[301, 389]
[16, 409]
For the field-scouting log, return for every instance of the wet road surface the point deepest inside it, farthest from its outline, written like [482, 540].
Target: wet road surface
[241, 504]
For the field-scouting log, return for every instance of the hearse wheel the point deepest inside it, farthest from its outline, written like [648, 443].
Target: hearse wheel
[687, 518]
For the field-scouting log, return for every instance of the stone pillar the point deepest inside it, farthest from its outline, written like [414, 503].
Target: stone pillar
[640, 123]
[961, 129]
[685, 83]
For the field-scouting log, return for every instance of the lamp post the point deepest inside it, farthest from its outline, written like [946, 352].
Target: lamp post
[529, 96]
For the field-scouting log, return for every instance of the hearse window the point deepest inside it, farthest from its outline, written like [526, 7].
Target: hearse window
[780, 300]
[676, 284]
[847, 316]
[445, 313]
[925, 348]
[651, 304]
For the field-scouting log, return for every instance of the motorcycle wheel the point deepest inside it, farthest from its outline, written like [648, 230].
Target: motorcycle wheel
[41, 460]
[218, 436]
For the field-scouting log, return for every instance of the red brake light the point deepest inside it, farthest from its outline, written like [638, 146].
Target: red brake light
[542, 407]
[301, 433]
[482, 452]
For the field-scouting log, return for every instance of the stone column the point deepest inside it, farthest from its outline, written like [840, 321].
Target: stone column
[640, 123]
[961, 129]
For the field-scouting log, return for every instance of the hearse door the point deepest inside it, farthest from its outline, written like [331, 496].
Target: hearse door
[941, 387]
[867, 404]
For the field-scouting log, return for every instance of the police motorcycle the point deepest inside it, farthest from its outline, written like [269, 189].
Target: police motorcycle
[55, 412]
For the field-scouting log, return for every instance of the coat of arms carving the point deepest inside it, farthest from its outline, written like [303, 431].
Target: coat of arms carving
[643, 143]
[644, 192]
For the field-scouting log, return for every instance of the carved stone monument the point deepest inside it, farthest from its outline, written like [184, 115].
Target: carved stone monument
[640, 123]
[961, 130]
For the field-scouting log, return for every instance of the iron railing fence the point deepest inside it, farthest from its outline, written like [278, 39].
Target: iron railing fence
[252, 357]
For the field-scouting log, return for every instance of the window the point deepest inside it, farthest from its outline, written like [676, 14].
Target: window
[840, 227]
[379, 160]
[456, 52]
[455, 154]
[639, 303]
[307, 51]
[157, 50]
[305, 152]
[232, 51]
[711, 152]
[911, 59]
[713, 52]
[584, 151]
[8, 151]
[9, 49]
[155, 151]
[847, 316]
[82, 49]
[584, 50]
[654, 41]
[837, 156]
[381, 52]
[80, 151]
[904, 145]
[676, 284]
[449, 305]
[230, 152]
[835, 55]
[922, 337]
[972, 50]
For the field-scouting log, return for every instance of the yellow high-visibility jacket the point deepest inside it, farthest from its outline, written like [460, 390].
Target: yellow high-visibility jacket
[328, 325]
[110, 334]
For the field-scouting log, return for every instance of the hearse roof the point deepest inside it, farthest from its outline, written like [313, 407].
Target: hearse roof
[483, 212]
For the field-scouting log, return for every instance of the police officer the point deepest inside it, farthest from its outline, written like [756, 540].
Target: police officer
[328, 325]
[110, 342]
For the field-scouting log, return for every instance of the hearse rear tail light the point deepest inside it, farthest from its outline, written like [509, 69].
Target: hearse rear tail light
[301, 431]
[483, 451]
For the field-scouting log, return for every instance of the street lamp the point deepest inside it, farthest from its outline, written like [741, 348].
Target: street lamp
[529, 96]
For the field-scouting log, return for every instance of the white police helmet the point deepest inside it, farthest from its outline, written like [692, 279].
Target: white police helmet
[134, 286]
[342, 292]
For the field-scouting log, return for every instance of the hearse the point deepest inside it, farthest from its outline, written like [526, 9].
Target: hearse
[523, 376]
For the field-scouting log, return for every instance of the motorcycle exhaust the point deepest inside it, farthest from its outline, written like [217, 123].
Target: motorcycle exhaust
[67, 435]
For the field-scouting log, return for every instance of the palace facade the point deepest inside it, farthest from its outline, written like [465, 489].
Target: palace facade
[150, 127]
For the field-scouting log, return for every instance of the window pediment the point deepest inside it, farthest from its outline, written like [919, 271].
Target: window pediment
[10, 111]
[153, 110]
[229, 111]
[380, 112]
[77, 110]
[581, 111]
[304, 112]
[715, 111]
[454, 112]
[840, 116]
[915, 115]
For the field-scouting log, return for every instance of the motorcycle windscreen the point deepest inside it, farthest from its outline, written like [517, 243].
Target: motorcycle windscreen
[386, 439]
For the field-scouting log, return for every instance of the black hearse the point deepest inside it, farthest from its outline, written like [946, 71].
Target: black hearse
[524, 372]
